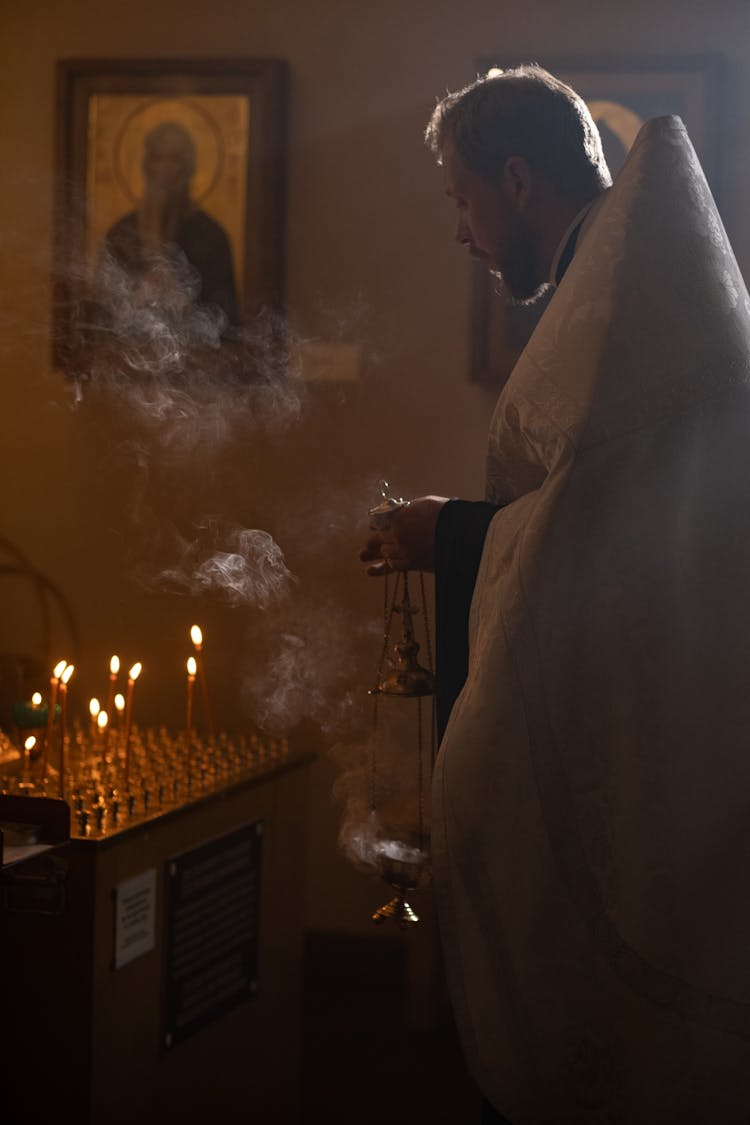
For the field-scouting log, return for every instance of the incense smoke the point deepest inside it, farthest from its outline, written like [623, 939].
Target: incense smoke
[243, 566]
[182, 372]
[155, 316]
[191, 392]
[381, 822]
[307, 665]
[188, 389]
[315, 657]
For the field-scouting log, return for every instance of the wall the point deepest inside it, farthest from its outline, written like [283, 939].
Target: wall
[368, 253]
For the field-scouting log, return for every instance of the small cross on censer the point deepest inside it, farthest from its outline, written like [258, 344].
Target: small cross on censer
[403, 860]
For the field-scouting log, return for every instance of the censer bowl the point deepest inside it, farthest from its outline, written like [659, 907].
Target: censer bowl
[403, 873]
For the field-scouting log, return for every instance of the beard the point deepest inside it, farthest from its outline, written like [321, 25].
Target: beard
[516, 264]
[537, 296]
[161, 212]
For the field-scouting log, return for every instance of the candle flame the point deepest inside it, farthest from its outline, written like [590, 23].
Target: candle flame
[102, 719]
[94, 707]
[69, 670]
[30, 742]
[36, 699]
[196, 636]
[135, 671]
[114, 665]
[59, 668]
[192, 666]
[120, 701]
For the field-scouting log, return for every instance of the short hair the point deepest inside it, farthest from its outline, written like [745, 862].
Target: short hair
[526, 112]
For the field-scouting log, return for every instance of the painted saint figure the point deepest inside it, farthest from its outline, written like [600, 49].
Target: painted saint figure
[167, 265]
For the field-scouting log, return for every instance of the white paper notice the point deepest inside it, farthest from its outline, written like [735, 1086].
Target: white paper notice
[135, 917]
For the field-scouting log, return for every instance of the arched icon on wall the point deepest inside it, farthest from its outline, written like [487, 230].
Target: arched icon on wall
[621, 93]
[168, 197]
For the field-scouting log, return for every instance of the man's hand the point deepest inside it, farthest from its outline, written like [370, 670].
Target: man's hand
[405, 538]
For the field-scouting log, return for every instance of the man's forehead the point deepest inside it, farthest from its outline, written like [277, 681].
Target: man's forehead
[454, 169]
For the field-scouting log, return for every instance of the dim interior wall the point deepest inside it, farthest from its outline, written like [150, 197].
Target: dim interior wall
[368, 258]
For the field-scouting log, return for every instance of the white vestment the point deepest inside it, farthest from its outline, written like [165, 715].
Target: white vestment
[591, 804]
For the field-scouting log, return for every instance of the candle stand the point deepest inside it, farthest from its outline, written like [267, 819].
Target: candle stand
[153, 961]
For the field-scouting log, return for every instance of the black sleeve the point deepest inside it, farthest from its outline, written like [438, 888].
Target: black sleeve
[459, 541]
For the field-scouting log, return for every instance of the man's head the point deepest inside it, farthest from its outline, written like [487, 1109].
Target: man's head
[522, 156]
[168, 158]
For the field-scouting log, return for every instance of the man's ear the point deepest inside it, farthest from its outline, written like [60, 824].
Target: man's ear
[517, 180]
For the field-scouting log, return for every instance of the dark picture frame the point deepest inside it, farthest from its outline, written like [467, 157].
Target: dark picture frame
[623, 91]
[234, 112]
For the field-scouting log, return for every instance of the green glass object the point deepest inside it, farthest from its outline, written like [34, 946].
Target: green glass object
[28, 717]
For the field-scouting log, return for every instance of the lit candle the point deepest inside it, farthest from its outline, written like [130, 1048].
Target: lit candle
[192, 668]
[95, 710]
[196, 636]
[28, 746]
[101, 722]
[114, 668]
[57, 671]
[63, 689]
[119, 704]
[133, 675]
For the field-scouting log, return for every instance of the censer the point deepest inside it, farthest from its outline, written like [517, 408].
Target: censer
[402, 684]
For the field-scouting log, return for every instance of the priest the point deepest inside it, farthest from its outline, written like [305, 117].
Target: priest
[591, 802]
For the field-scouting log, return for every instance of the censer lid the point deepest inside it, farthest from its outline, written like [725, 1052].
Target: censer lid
[404, 675]
[388, 503]
[407, 676]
